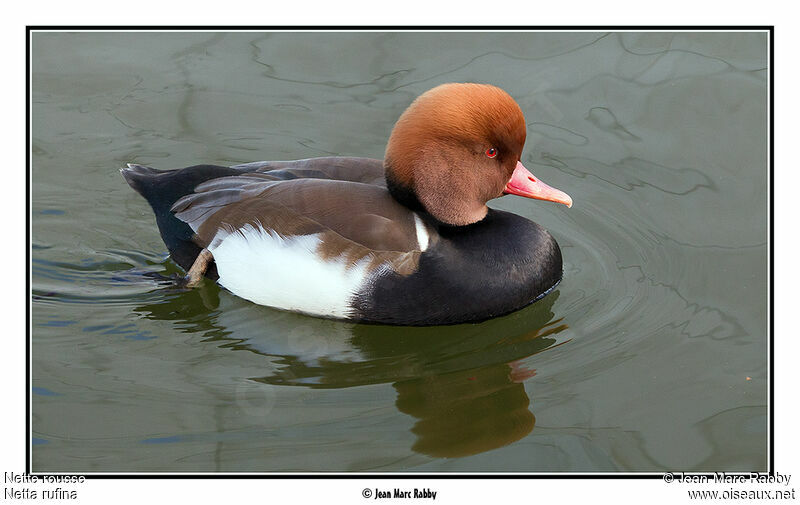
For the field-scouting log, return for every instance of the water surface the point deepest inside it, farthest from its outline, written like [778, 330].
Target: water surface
[650, 355]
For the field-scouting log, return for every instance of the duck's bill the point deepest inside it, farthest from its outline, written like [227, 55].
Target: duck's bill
[523, 183]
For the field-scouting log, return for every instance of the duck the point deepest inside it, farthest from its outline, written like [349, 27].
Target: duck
[407, 240]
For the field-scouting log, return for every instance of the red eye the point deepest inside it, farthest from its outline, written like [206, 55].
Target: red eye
[491, 152]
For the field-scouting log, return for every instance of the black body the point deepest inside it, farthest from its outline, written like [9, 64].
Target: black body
[473, 273]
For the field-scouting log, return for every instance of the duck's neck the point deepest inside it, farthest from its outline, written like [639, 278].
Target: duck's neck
[403, 194]
[407, 197]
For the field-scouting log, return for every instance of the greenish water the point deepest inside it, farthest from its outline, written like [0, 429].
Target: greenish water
[651, 354]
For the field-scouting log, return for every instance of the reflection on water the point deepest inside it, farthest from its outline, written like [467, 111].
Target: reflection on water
[464, 413]
[464, 386]
[650, 356]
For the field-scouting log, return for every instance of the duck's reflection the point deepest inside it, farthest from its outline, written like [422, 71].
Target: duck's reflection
[469, 411]
[463, 383]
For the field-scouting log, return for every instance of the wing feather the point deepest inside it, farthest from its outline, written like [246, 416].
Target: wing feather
[361, 213]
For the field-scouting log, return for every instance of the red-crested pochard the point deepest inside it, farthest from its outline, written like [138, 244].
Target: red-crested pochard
[408, 240]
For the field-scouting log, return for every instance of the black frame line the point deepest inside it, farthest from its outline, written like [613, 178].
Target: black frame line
[771, 241]
[29, 29]
[28, 299]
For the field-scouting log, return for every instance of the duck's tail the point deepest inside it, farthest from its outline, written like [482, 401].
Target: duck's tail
[134, 173]
[161, 189]
[176, 234]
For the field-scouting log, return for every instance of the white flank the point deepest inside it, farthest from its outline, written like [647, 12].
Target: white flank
[286, 273]
[422, 234]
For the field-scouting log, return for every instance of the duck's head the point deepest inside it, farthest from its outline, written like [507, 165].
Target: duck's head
[458, 146]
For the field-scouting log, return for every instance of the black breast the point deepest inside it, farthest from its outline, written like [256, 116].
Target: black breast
[494, 267]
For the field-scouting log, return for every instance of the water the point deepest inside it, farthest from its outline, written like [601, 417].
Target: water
[650, 355]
